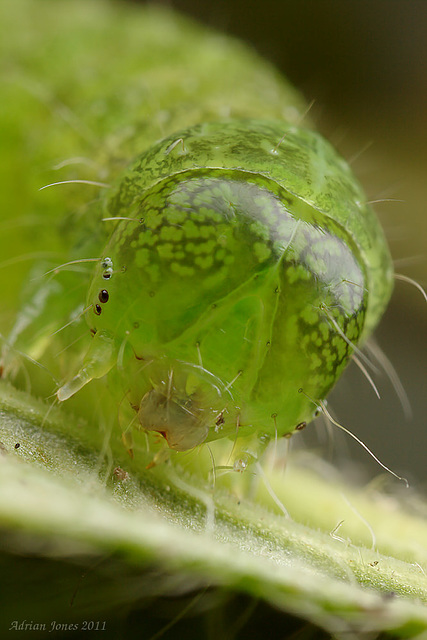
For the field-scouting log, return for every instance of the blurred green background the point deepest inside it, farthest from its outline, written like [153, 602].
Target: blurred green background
[364, 62]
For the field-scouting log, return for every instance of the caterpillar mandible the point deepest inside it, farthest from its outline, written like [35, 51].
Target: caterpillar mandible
[243, 266]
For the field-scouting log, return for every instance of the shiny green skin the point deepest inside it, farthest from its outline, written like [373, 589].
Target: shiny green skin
[247, 269]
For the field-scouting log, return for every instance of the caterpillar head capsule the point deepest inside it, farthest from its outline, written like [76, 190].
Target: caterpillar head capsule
[246, 266]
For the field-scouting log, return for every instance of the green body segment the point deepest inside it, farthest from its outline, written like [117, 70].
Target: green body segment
[246, 265]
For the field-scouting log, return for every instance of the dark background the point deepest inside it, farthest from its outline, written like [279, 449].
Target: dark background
[365, 64]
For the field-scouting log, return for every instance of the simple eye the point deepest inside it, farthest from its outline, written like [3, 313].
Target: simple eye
[97, 309]
[103, 296]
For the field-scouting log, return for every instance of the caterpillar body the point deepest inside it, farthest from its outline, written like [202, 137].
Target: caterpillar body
[236, 260]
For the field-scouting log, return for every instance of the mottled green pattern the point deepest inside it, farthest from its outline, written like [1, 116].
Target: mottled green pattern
[226, 278]
[299, 160]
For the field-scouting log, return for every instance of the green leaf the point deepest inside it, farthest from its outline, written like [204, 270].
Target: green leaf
[59, 499]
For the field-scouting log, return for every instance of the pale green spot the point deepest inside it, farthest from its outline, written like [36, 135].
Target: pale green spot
[173, 234]
[305, 341]
[205, 247]
[182, 269]
[152, 219]
[205, 231]
[204, 262]
[261, 251]
[340, 345]
[316, 264]
[316, 362]
[259, 229]
[148, 238]
[207, 212]
[328, 354]
[176, 216]
[324, 329]
[191, 230]
[310, 315]
[142, 257]
[295, 273]
[166, 251]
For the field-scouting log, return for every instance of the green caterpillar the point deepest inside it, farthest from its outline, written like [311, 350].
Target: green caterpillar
[237, 262]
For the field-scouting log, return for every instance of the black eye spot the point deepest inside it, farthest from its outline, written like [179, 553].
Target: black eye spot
[97, 309]
[106, 275]
[300, 426]
[93, 332]
[17, 445]
[103, 295]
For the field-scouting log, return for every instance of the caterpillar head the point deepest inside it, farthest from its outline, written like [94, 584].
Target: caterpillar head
[246, 267]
